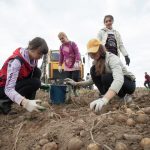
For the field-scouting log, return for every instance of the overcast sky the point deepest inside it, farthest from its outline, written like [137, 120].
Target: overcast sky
[22, 20]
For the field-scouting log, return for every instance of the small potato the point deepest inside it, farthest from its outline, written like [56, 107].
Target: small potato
[146, 110]
[50, 146]
[129, 111]
[45, 104]
[43, 141]
[145, 143]
[120, 146]
[121, 118]
[130, 122]
[142, 118]
[75, 144]
[140, 112]
[93, 146]
[82, 133]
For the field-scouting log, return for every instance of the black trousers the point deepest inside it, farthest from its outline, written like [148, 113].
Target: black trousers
[103, 82]
[26, 87]
[147, 84]
[75, 75]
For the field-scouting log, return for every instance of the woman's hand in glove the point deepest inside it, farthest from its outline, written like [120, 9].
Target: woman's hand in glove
[60, 69]
[31, 105]
[98, 104]
[70, 81]
[77, 65]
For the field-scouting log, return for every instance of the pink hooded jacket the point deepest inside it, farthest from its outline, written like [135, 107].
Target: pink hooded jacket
[69, 54]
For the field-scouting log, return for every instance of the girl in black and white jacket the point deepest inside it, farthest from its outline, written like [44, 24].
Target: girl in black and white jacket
[111, 39]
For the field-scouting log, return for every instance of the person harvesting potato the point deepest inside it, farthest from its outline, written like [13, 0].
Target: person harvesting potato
[70, 56]
[20, 77]
[108, 74]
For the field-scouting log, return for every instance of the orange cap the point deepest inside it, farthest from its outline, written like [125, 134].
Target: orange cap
[93, 45]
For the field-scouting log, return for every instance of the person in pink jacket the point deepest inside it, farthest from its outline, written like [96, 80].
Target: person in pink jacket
[70, 56]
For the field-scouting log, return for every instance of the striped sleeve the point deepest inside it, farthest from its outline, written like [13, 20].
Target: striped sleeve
[12, 76]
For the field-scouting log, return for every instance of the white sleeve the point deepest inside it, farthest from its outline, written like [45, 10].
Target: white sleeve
[99, 35]
[118, 77]
[121, 45]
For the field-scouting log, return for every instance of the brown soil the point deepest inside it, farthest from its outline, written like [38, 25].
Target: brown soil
[22, 130]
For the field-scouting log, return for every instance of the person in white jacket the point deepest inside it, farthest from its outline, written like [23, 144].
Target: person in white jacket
[108, 74]
[112, 39]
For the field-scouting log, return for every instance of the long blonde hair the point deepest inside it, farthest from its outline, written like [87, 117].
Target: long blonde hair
[100, 63]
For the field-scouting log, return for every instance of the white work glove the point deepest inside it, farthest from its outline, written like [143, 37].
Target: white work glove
[60, 69]
[70, 81]
[31, 105]
[77, 65]
[98, 104]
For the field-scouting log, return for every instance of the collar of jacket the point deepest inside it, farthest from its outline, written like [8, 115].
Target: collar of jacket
[106, 29]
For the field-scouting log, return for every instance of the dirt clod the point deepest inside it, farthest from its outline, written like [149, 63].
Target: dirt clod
[0, 143]
[132, 137]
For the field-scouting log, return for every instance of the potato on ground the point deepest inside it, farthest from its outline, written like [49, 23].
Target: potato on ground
[130, 122]
[145, 143]
[120, 146]
[94, 146]
[121, 118]
[129, 111]
[142, 118]
[75, 144]
[146, 110]
[50, 146]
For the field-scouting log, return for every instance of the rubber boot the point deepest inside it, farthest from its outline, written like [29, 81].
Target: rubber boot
[5, 106]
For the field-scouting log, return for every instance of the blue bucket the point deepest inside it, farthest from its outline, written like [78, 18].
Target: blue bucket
[58, 94]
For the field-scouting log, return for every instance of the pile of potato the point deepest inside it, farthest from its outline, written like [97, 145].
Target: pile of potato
[131, 118]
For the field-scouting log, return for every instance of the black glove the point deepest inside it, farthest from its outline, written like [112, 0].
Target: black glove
[127, 59]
